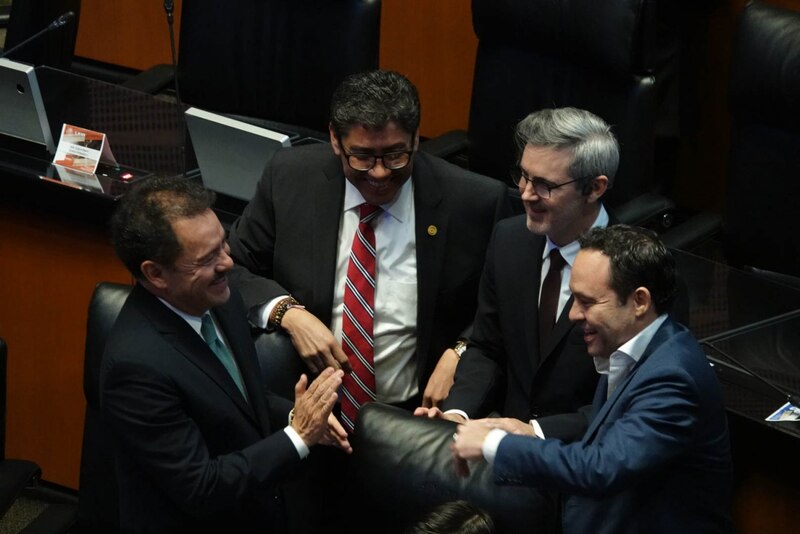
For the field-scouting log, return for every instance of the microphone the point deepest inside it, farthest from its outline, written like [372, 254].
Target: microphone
[63, 20]
[791, 399]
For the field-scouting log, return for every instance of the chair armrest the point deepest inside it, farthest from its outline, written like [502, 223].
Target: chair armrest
[643, 209]
[693, 231]
[153, 80]
[15, 475]
[446, 145]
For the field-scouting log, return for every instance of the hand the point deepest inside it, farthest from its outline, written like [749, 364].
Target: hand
[511, 425]
[313, 405]
[314, 341]
[467, 444]
[436, 413]
[336, 436]
[441, 380]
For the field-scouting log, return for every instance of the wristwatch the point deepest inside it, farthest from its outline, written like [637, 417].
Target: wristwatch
[460, 347]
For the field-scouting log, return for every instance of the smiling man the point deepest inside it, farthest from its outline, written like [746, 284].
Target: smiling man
[525, 359]
[203, 448]
[656, 454]
[368, 252]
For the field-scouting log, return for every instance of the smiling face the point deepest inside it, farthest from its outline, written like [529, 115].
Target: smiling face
[607, 323]
[198, 279]
[378, 185]
[567, 213]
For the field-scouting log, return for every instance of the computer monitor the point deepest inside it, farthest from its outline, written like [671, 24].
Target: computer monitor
[22, 113]
[231, 154]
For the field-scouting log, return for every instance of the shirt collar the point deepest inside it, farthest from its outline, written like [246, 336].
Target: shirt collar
[194, 321]
[570, 251]
[634, 347]
[399, 208]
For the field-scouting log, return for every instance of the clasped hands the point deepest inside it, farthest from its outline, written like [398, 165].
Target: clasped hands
[468, 439]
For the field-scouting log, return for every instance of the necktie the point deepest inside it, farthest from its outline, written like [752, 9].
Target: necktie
[548, 303]
[209, 333]
[358, 387]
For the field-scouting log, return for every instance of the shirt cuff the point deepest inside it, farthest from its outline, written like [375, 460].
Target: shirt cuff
[537, 429]
[459, 412]
[490, 444]
[297, 441]
[266, 310]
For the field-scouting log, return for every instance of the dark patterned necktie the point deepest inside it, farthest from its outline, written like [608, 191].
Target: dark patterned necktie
[548, 303]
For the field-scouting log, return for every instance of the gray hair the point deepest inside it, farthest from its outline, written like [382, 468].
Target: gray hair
[594, 148]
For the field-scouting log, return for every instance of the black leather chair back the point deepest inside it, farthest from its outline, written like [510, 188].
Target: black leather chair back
[402, 468]
[536, 54]
[765, 143]
[98, 505]
[279, 60]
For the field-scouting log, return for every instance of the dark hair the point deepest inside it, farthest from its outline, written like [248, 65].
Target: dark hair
[141, 228]
[373, 99]
[638, 259]
[456, 517]
[594, 149]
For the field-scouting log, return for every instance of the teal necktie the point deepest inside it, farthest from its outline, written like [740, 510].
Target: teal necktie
[209, 333]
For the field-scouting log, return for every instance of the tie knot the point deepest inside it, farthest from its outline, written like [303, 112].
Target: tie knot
[367, 212]
[557, 261]
[207, 329]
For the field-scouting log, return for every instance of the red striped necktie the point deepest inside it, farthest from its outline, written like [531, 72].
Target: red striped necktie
[358, 387]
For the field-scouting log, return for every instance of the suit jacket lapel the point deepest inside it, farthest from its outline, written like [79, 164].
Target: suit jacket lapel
[529, 296]
[238, 336]
[665, 331]
[325, 219]
[431, 235]
[191, 346]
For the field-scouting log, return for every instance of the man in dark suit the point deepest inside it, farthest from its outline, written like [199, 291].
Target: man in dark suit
[294, 239]
[203, 448]
[656, 454]
[525, 359]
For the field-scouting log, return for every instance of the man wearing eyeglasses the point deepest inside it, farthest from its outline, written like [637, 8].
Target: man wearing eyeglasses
[388, 292]
[525, 359]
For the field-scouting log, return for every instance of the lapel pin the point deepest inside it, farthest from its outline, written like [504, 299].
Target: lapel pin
[432, 230]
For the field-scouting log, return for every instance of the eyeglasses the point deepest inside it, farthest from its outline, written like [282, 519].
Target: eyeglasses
[541, 187]
[391, 160]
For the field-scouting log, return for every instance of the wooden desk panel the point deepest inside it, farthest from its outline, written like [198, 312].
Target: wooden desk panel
[50, 266]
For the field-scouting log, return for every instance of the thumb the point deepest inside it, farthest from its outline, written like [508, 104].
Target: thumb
[300, 387]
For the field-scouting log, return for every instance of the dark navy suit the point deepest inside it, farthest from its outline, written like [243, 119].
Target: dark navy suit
[655, 457]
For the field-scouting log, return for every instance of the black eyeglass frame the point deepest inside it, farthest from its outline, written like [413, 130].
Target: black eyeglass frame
[517, 176]
[375, 158]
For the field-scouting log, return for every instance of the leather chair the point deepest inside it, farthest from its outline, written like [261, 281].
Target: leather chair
[15, 475]
[763, 162]
[98, 505]
[402, 468]
[764, 165]
[535, 54]
[275, 63]
[27, 17]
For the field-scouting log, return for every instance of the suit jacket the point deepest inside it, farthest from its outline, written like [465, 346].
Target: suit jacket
[287, 239]
[504, 369]
[656, 455]
[195, 455]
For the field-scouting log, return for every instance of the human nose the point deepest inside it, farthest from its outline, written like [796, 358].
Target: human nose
[379, 170]
[225, 261]
[528, 192]
[575, 313]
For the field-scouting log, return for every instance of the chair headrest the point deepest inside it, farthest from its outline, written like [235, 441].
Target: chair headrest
[618, 36]
[765, 72]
